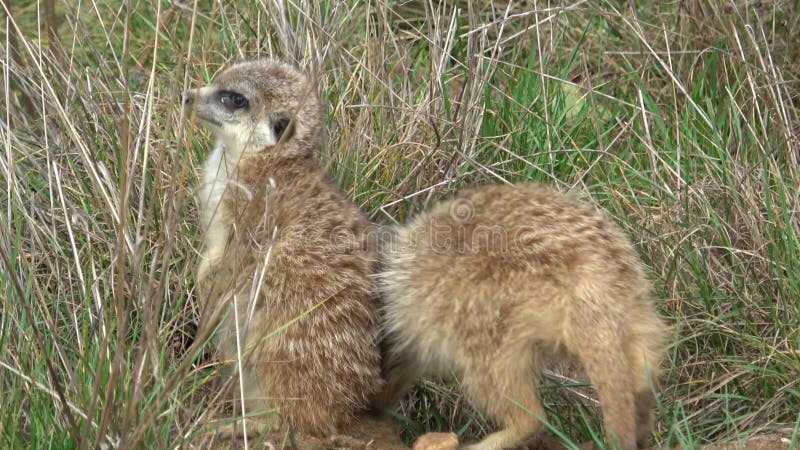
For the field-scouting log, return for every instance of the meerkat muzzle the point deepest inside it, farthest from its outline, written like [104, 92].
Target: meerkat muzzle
[187, 98]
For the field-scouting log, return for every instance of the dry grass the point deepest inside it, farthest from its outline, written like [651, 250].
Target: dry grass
[681, 118]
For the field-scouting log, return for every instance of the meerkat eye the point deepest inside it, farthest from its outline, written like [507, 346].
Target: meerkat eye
[233, 100]
[279, 126]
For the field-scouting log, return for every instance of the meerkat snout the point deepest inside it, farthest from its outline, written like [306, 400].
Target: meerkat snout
[187, 98]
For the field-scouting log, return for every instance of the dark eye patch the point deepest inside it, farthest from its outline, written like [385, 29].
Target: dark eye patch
[280, 124]
[233, 100]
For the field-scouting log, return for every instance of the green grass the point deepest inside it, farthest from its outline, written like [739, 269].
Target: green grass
[680, 118]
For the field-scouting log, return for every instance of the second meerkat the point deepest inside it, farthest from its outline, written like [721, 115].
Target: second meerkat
[498, 279]
[286, 266]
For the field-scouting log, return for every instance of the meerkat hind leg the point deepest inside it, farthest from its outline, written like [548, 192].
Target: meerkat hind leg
[508, 396]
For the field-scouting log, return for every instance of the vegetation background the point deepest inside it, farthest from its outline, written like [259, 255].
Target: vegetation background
[682, 118]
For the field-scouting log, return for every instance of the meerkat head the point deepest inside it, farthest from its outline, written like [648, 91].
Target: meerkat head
[256, 105]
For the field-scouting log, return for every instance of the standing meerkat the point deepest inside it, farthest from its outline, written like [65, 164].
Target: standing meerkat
[498, 279]
[286, 269]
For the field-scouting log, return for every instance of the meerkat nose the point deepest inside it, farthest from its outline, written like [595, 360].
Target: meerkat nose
[188, 98]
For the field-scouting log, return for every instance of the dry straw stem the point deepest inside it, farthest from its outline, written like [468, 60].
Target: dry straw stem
[680, 118]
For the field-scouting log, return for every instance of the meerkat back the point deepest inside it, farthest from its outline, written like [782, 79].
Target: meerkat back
[285, 275]
[497, 279]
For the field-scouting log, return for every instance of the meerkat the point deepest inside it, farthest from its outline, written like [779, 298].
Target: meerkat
[495, 281]
[285, 273]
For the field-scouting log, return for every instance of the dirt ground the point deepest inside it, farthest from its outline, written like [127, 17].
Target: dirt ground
[370, 433]
[772, 441]
[366, 433]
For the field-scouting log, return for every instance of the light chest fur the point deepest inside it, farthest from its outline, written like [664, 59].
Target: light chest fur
[214, 218]
[219, 174]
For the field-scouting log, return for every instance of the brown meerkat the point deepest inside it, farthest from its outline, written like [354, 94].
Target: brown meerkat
[495, 281]
[286, 269]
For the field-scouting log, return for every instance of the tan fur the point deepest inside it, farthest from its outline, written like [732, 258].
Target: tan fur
[288, 250]
[496, 280]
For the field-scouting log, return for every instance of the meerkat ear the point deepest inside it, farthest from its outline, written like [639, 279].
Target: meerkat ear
[282, 125]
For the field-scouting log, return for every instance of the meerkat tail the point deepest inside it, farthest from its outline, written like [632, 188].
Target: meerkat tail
[599, 344]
